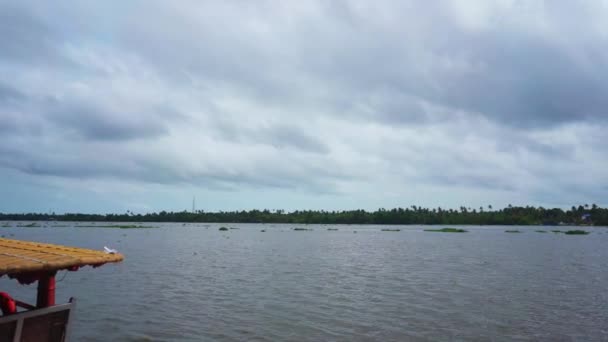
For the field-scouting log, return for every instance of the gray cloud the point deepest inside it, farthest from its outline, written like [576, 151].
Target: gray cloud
[282, 136]
[531, 83]
[21, 114]
[504, 73]
[8, 94]
[104, 162]
[26, 38]
[98, 124]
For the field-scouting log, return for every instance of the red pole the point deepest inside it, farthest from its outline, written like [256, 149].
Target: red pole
[46, 291]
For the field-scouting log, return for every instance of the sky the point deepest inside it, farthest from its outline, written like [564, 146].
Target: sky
[109, 106]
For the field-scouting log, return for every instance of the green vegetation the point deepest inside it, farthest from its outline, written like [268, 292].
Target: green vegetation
[30, 225]
[446, 230]
[576, 232]
[557, 231]
[302, 229]
[332, 228]
[512, 231]
[120, 226]
[540, 231]
[223, 229]
[511, 215]
[390, 230]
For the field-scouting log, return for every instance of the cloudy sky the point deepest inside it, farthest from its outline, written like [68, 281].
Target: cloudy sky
[108, 106]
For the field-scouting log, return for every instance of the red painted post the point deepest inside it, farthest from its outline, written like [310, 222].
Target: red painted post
[46, 291]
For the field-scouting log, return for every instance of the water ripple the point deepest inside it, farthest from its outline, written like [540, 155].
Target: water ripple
[193, 283]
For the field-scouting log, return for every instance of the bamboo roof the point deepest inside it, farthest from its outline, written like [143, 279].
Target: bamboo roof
[25, 257]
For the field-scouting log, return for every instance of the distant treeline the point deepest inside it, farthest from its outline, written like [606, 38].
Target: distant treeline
[581, 215]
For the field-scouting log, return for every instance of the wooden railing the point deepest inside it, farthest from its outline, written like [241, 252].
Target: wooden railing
[50, 324]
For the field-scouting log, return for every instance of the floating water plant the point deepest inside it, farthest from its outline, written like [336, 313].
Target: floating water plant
[512, 231]
[557, 231]
[390, 230]
[223, 229]
[302, 229]
[332, 228]
[120, 226]
[31, 225]
[540, 231]
[263, 230]
[576, 232]
[447, 230]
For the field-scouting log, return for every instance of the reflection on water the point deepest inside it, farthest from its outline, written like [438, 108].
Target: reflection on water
[195, 283]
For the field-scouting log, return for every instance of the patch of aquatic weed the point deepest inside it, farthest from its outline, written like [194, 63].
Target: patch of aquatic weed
[300, 229]
[31, 225]
[447, 230]
[540, 231]
[576, 232]
[118, 226]
[224, 229]
[390, 230]
[512, 231]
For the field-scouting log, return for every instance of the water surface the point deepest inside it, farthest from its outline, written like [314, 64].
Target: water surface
[192, 282]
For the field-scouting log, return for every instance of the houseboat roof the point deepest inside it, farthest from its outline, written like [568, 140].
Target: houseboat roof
[24, 259]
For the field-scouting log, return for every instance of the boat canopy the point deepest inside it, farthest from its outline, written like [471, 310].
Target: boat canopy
[30, 261]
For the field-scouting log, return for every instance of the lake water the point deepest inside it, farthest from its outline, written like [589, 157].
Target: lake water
[195, 283]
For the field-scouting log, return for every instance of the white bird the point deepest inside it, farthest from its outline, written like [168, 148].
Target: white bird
[109, 250]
